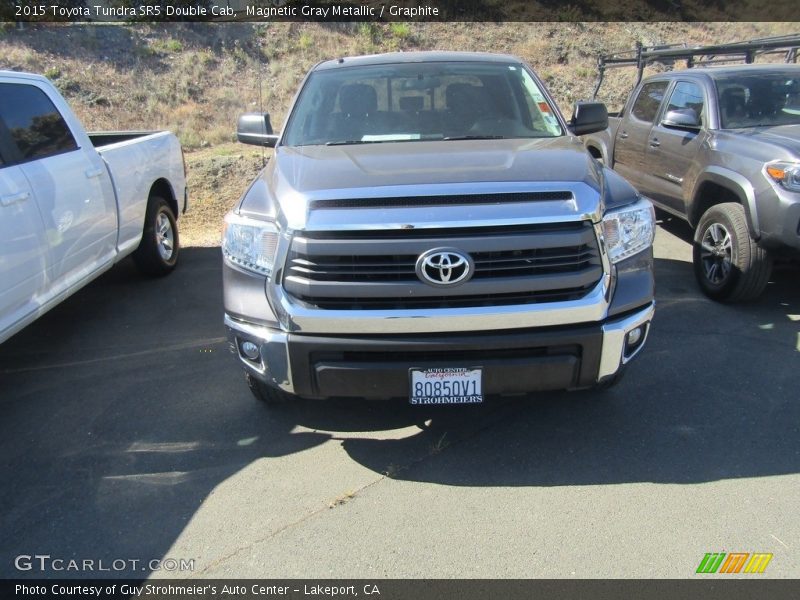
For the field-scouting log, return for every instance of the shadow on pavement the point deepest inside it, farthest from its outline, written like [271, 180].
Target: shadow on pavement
[122, 410]
[713, 396]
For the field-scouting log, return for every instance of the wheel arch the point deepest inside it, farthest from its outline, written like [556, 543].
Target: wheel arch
[162, 187]
[596, 150]
[717, 185]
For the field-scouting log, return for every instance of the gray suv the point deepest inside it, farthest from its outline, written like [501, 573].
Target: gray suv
[430, 227]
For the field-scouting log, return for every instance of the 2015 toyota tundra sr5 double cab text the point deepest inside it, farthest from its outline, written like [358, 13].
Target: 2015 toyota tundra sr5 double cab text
[430, 227]
[73, 204]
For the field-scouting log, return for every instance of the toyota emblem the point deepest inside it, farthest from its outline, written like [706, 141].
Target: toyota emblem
[444, 267]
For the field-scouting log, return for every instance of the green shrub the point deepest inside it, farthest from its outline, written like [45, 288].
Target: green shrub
[305, 41]
[170, 45]
[401, 31]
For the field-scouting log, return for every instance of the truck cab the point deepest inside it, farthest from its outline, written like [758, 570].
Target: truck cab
[431, 227]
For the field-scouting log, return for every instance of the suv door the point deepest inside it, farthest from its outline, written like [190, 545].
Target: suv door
[23, 249]
[633, 134]
[672, 150]
[71, 186]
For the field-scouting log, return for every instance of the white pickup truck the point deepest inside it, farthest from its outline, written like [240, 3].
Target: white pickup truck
[73, 204]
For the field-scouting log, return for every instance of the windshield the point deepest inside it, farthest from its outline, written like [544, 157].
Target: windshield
[759, 99]
[420, 101]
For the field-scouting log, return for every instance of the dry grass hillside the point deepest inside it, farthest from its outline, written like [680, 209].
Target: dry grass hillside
[196, 78]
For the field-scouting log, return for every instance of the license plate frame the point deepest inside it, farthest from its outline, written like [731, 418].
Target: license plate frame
[456, 385]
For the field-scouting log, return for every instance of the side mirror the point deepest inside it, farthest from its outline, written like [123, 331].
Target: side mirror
[255, 129]
[589, 117]
[681, 119]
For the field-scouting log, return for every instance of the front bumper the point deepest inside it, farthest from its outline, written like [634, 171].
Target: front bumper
[376, 366]
[779, 220]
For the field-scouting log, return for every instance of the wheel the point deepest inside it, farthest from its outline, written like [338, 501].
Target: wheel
[157, 253]
[728, 264]
[265, 393]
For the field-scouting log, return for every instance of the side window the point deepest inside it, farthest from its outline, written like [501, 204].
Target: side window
[685, 97]
[33, 122]
[646, 105]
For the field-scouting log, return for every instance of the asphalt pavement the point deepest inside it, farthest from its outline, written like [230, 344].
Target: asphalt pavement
[128, 435]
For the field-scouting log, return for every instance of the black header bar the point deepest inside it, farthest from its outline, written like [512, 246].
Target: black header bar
[707, 587]
[395, 10]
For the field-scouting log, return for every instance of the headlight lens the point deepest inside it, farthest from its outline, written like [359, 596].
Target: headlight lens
[249, 243]
[629, 230]
[785, 173]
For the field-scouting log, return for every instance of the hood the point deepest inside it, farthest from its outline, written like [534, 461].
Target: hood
[301, 179]
[787, 136]
[767, 143]
[312, 169]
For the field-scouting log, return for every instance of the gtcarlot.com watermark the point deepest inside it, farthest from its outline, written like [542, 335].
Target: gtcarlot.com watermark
[45, 563]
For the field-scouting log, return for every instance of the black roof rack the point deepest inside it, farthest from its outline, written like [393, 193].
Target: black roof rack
[642, 56]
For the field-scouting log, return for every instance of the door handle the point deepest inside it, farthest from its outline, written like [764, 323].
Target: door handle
[92, 173]
[623, 135]
[12, 198]
[654, 143]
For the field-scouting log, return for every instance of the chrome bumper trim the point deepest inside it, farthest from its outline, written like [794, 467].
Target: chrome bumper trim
[274, 366]
[613, 354]
[592, 308]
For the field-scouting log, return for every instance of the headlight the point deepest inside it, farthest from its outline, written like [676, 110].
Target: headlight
[629, 230]
[250, 243]
[785, 173]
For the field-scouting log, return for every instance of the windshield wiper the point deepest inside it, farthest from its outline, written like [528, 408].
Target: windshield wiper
[474, 137]
[352, 142]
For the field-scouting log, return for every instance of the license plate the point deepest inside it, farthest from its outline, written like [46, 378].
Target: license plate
[446, 386]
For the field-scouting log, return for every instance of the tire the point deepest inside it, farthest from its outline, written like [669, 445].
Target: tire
[728, 264]
[265, 393]
[157, 254]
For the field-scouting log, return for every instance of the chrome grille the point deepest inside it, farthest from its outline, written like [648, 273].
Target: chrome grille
[376, 270]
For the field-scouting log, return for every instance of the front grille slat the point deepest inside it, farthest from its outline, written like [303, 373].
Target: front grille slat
[444, 233]
[378, 248]
[582, 253]
[449, 301]
[516, 265]
[404, 290]
[518, 269]
[444, 200]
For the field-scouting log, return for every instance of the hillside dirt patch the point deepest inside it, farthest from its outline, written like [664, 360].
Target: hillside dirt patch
[217, 177]
[196, 78]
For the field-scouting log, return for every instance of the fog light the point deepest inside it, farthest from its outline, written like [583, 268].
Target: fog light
[250, 350]
[634, 336]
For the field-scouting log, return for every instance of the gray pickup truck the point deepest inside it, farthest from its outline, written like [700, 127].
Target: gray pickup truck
[430, 227]
[720, 148]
